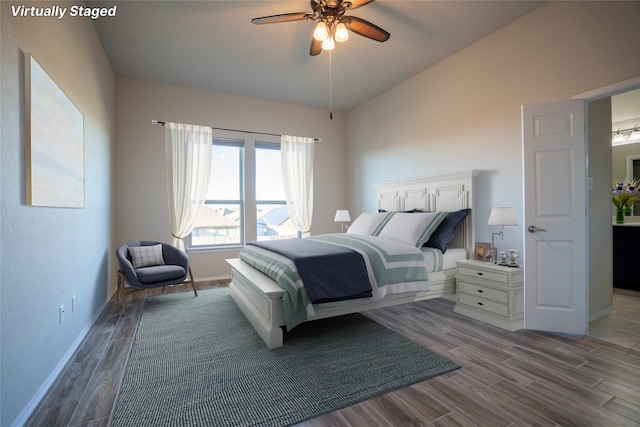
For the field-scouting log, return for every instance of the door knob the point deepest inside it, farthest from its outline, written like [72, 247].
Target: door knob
[533, 229]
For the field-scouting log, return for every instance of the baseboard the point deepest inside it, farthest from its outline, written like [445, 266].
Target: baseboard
[35, 400]
[212, 278]
[599, 314]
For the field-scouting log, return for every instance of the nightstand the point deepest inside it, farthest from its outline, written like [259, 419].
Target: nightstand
[490, 293]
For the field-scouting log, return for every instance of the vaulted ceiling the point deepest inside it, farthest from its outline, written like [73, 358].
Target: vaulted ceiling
[213, 45]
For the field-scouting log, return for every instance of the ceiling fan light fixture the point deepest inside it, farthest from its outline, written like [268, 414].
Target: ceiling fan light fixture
[321, 33]
[328, 44]
[342, 35]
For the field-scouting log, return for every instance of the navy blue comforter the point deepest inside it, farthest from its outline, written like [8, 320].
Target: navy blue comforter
[329, 272]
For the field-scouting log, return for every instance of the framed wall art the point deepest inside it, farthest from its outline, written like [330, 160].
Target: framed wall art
[54, 142]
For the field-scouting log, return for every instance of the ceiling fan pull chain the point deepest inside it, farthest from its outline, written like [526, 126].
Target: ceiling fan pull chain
[330, 87]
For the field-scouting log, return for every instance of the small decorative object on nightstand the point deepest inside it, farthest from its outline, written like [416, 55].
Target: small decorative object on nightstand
[514, 255]
[490, 293]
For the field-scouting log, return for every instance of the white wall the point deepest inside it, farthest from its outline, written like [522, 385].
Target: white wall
[50, 254]
[140, 176]
[464, 112]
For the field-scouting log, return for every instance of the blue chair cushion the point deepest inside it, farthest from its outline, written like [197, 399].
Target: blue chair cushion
[160, 273]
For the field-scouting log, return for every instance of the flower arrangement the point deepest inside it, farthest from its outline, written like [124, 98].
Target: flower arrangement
[625, 194]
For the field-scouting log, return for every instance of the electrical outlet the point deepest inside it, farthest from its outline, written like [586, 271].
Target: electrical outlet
[61, 313]
[73, 304]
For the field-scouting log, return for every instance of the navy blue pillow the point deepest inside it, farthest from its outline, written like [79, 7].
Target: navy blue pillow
[443, 235]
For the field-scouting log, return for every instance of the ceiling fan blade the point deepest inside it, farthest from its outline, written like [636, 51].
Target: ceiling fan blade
[316, 47]
[316, 5]
[357, 3]
[285, 17]
[365, 28]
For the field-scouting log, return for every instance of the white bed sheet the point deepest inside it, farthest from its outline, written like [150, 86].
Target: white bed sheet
[434, 258]
[451, 256]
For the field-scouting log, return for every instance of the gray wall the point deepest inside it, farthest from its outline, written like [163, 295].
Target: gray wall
[50, 254]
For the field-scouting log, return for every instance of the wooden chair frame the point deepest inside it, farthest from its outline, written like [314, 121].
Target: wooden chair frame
[124, 290]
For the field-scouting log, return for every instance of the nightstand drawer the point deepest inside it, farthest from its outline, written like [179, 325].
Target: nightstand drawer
[484, 304]
[483, 292]
[494, 276]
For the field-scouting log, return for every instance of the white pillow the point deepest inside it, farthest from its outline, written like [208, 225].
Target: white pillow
[369, 223]
[412, 228]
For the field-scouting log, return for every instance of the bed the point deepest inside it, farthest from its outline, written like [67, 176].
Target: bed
[260, 297]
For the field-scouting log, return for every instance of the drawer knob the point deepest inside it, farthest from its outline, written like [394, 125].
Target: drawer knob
[480, 291]
[480, 273]
[480, 303]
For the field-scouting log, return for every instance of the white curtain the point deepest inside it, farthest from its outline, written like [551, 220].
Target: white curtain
[297, 177]
[188, 150]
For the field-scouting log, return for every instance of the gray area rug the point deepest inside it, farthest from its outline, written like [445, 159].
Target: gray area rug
[196, 361]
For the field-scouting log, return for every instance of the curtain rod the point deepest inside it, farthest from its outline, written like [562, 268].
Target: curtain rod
[158, 122]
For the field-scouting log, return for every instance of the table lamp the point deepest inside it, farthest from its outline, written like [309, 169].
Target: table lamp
[343, 217]
[501, 217]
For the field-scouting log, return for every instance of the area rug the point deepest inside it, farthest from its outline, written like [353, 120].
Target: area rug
[196, 361]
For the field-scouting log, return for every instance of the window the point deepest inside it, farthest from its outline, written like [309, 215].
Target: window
[245, 200]
[220, 220]
[272, 215]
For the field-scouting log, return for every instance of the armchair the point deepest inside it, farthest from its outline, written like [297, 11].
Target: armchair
[149, 264]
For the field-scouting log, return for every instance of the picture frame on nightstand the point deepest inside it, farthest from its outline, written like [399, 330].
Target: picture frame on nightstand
[482, 250]
[489, 256]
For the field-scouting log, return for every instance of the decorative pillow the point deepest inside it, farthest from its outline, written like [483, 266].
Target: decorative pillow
[443, 235]
[369, 223]
[146, 256]
[412, 228]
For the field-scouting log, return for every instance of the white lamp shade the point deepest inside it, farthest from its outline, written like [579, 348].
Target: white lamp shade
[618, 138]
[328, 43]
[342, 216]
[502, 216]
[321, 32]
[342, 35]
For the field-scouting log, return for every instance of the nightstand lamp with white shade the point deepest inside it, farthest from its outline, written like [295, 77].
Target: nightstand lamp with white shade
[501, 217]
[343, 217]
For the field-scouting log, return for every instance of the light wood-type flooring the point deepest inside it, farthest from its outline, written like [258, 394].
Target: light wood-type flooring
[622, 325]
[507, 378]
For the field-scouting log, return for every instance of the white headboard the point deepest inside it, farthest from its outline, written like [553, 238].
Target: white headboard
[448, 193]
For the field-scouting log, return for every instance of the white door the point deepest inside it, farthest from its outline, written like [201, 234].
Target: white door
[555, 217]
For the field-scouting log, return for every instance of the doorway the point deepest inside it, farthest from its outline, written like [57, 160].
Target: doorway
[621, 324]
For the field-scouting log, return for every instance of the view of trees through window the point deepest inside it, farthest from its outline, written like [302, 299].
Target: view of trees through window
[229, 204]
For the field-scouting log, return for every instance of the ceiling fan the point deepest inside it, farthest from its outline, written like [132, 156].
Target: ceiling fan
[332, 23]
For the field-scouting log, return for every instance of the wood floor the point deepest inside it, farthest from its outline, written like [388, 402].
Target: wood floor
[622, 325]
[507, 378]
